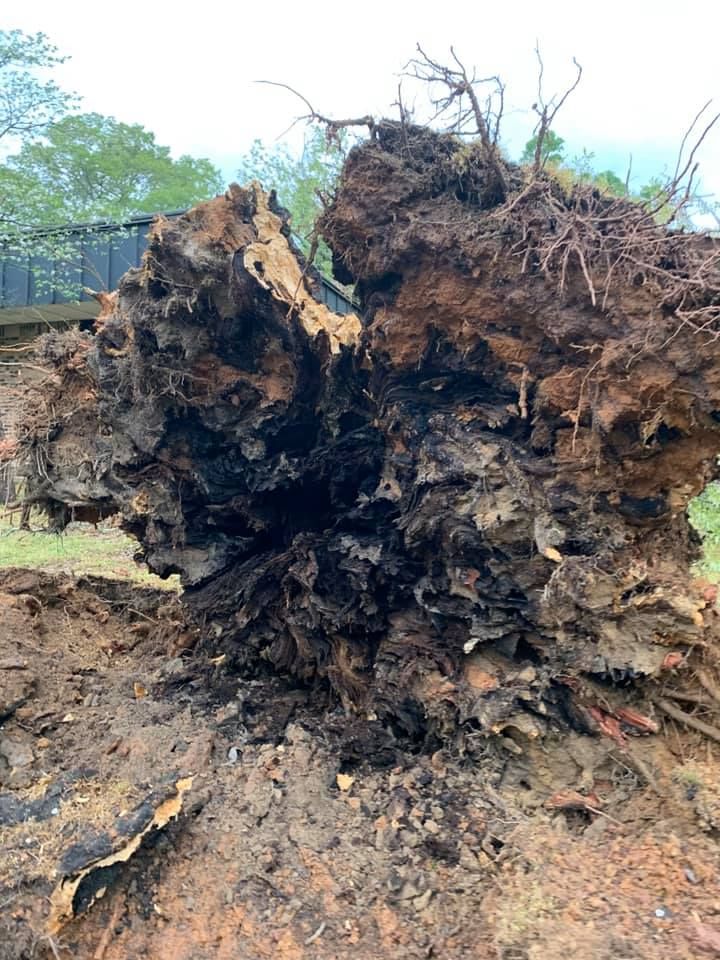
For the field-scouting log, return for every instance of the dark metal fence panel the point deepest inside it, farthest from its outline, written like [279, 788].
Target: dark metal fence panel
[335, 300]
[125, 253]
[94, 258]
[16, 285]
[68, 276]
[40, 285]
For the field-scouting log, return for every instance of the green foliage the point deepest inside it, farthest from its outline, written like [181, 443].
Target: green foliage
[299, 181]
[610, 182]
[704, 513]
[28, 104]
[81, 167]
[82, 550]
[87, 168]
[552, 153]
[655, 194]
[90, 167]
[581, 165]
[70, 168]
[580, 169]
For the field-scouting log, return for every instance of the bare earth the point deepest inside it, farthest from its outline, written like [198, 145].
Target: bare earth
[294, 832]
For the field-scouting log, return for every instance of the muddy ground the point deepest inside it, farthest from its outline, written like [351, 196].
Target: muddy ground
[296, 832]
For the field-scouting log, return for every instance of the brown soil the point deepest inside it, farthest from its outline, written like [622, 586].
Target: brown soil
[306, 836]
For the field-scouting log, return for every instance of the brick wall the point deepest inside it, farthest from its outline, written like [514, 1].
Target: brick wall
[14, 382]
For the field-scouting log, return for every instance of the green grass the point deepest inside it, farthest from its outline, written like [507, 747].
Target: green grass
[709, 566]
[106, 551]
[81, 550]
[704, 513]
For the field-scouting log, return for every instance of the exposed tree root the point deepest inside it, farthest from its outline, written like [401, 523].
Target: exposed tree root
[464, 511]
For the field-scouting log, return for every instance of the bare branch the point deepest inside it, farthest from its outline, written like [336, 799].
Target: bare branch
[332, 127]
[458, 97]
[286, 86]
[628, 175]
[684, 140]
[674, 196]
[548, 111]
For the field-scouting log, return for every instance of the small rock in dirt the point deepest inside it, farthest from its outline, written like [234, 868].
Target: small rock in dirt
[344, 781]
[230, 711]
[26, 712]
[13, 663]
[408, 891]
[595, 830]
[198, 754]
[421, 902]
[173, 667]
[509, 744]
[295, 734]
[706, 938]
[409, 839]
[527, 675]
[469, 861]
[17, 750]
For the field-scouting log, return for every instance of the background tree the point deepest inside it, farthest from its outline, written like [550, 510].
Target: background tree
[74, 167]
[552, 153]
[28, 104]
[580, 169]
[90, 167]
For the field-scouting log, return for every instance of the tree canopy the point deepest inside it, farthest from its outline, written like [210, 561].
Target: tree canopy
[68, 167]
[91, 167]
[27, 103]
[61, 167]
[552, 152]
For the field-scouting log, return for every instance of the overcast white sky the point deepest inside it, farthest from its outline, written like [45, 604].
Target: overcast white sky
[186, 71]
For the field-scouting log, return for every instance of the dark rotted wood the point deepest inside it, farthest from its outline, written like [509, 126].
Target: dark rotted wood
[448, 512]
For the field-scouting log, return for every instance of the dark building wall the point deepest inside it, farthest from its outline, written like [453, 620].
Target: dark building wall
[92, 257]
[41, 293]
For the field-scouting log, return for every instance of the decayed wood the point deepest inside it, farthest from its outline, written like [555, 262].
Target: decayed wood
[444, 507]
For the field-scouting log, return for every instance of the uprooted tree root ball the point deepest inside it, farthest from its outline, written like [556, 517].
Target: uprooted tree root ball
[464, 508]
